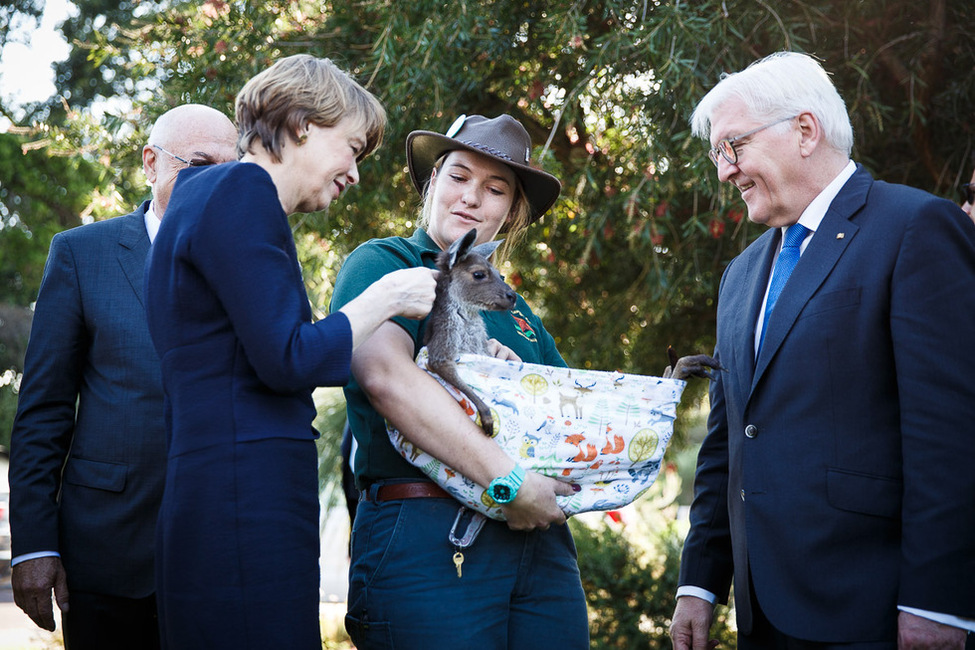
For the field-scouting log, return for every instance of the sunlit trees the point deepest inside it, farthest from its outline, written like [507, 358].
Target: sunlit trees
[628, 261]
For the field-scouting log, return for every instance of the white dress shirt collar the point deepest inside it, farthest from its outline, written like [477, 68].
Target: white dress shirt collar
[152, 222]
[811, 217]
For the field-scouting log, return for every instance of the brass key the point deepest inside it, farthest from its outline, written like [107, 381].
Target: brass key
[458, 561]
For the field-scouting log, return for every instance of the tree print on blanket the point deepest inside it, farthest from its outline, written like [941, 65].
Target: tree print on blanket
[606, 432]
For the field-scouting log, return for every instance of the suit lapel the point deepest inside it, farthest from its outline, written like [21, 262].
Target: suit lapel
[133, 248]
[758, 270]
[835, 233]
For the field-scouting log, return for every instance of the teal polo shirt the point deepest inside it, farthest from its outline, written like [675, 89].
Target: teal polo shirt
[519, 329]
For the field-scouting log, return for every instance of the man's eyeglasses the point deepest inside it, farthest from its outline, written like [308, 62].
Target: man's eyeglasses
[968, 191]
[726, 148]
[195, 162]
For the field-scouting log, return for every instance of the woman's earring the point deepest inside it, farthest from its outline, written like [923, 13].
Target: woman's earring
[302, 139]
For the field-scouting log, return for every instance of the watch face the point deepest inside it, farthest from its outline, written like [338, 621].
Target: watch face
[502, 493]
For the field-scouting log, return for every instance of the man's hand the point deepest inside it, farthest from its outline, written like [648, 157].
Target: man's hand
[918, 633]
[691, 623]
[33, 581]
[535, 505]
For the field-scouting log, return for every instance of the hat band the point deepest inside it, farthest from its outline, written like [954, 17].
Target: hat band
[487, 149]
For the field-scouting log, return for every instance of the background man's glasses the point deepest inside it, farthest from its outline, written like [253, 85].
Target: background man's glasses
[968, 191]
[195, 162]
[726, 148]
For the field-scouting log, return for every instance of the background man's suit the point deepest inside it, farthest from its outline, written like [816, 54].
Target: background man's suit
[90, 346]
[837, 467]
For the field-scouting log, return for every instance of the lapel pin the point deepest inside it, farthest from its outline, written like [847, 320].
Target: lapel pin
[840, 235]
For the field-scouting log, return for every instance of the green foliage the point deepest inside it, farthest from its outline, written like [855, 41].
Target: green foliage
[629, 259]
[330, 423]
[46, 187]
[629, 602]
[630, 569]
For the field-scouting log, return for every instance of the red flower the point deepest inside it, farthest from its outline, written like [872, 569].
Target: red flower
[661, 209]
[716, 227]
[735, 215]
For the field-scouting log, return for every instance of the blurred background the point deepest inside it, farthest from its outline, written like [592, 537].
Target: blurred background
[626, 263]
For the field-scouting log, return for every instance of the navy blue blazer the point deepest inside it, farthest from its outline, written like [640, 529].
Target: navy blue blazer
[230, 318]
[835, 482]
[91, 403]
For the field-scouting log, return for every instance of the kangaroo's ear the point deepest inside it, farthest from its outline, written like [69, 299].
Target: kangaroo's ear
[487, 248]
[460, 247]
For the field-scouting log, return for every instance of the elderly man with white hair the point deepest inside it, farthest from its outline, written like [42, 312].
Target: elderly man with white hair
[835, 484]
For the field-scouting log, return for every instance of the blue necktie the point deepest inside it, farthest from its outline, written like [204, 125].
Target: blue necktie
[788, 257]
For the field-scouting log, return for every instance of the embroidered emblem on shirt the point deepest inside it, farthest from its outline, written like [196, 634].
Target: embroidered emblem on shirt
[521, 323]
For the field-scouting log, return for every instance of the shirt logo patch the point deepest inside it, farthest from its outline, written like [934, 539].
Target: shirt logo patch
[521, 324]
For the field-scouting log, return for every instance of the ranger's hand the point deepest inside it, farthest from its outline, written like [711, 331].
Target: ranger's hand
[535, 505]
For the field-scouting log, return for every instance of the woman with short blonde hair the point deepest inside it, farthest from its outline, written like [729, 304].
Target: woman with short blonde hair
[238, 543]
[300, 90]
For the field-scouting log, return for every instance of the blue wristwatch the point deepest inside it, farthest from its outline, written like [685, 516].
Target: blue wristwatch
[505, 488]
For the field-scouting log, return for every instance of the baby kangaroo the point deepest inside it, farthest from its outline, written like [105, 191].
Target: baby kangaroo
[467, 284]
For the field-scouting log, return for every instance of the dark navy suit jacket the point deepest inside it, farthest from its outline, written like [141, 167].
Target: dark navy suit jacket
[91, 403]
[230, 318]
[835, 481]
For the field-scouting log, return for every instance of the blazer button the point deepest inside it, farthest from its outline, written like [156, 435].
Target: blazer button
[751, 431]
[742, 495]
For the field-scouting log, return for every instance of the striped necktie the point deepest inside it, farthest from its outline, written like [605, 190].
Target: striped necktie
[788, 257]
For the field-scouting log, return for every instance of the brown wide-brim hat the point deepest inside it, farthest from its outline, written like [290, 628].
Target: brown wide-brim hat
[502, 138]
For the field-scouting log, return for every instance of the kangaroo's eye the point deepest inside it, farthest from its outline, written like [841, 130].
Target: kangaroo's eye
[479, 275]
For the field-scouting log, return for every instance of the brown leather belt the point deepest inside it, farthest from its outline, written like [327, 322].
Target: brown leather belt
[416, 490]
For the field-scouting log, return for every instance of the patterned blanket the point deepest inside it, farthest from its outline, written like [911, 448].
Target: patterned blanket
[603, 431]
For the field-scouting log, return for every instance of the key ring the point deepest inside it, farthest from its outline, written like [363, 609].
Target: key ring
[473, 528]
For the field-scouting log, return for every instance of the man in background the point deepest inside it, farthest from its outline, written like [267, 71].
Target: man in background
[88, 446]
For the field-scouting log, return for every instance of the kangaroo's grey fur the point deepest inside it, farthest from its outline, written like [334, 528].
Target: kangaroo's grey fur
[467, 285]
